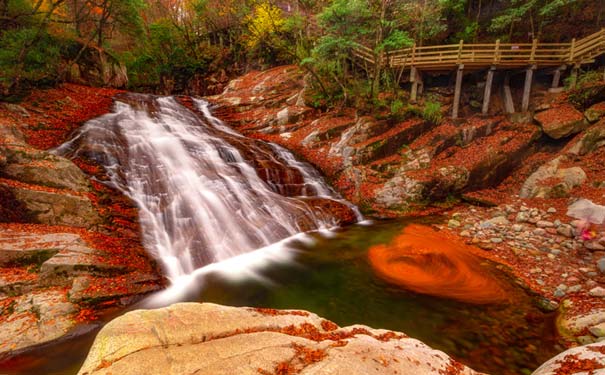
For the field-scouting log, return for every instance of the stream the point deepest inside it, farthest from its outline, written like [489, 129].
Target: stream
[240, 222]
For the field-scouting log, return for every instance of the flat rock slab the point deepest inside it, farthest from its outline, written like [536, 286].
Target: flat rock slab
[189, 338]
[24, 248]
[34, 319]
[561, 121]
[55, 208]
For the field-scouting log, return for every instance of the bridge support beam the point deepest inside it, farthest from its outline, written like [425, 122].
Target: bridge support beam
[529, 78]
[556, 78]
[574, 76]
[417, 84]
[457, 91]
[509, 104]
[488, 89]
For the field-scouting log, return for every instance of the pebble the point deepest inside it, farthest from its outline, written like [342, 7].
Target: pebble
[559, 293]
[522, 217]
[517, 228]
[555, 252]
[594, 246]
[496, 240]
[601, 265]
[539, 232]
[544, 224]
[597, 292]
[551, 210]
[453, 223]
[574, 289]
[465, 233]
[557, 223]
[536, 270]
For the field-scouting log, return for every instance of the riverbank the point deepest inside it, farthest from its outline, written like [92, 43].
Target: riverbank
[70, 246]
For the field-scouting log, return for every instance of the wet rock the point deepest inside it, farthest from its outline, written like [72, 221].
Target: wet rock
[18, 248]
[37, 318]
[186, 338]
[453, 223]
[561, 121]
[562, 363]
[598, 330]
[53, 208]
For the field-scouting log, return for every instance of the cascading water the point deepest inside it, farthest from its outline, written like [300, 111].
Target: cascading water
[204, 192]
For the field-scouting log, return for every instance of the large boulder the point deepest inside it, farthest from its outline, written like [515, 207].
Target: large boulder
[562, 121]
[591, 140]
[96, 67]
[588, 359]
[551, 181]
[190, 338]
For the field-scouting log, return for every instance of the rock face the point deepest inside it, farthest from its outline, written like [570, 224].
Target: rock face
[50, 189]
[561, 121]
[189, 338]
[98, 68]
[581, 360]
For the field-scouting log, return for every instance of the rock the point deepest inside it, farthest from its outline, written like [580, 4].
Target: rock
[499, 220]
[205, 338]
[53, 208]
[38, 318]
[598, 330]
[551, 210]
[597, 292]
[41, 168]
[544, 224]
[539, 232]
[566, 362]
[496, 240]
[574, 289]
[561, 121]
[547, 305]
[565, 180]
[23, 248]
[601, 265]
[592, 140]
[97, 67]
[595, 112]
[517, 228]
[571, 326]
[522, 217]
[453, 223]
[594, 246]
[565, 230]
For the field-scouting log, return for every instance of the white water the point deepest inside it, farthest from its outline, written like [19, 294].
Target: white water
[200, 202]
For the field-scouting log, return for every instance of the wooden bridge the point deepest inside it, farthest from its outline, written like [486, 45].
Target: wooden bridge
[490, 56]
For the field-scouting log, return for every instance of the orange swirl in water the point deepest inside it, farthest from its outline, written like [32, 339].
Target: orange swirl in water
[426, 261]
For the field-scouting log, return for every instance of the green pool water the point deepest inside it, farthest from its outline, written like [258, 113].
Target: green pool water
[332, 278]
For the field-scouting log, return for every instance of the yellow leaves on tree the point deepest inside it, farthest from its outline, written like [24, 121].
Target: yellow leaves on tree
[265, 22]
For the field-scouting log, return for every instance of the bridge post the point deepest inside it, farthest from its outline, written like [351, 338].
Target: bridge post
[529, 77]
[509, 104]
[556, 78]
[488, 89]
[417, 84]
[574, 76]
[457, 91]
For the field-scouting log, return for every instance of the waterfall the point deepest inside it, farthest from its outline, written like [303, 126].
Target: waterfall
[204, 192]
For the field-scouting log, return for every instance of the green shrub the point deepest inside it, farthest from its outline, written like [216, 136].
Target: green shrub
[432, 112]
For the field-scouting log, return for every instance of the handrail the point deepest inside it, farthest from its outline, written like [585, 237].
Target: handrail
[491, 54]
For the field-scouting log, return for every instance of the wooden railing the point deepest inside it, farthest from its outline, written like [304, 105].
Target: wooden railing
[505, 55]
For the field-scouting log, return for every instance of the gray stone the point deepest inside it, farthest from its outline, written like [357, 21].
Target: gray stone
[566, 230]
[574, 289]
[544, 224]
[517, 227]
[593, 139]
[594, 246]
[595, 112]
[551, 210]
[496, 240]
[522, 217]
[601, 265]
[190, 338]
[568, 178]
